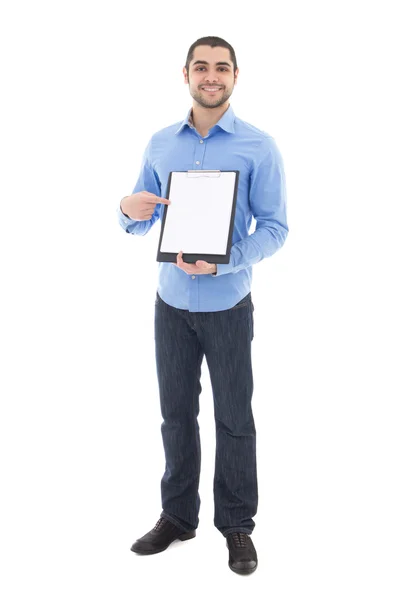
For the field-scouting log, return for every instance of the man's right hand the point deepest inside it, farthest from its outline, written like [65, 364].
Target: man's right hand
[141, 206]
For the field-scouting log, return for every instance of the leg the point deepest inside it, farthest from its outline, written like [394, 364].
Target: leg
[178, 359]
[227, 344]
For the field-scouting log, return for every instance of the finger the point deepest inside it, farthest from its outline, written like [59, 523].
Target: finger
[182, 265]
[157, 200]
[182, 262]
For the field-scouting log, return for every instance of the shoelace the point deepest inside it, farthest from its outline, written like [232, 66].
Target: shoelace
[240, 539]
[161, 521]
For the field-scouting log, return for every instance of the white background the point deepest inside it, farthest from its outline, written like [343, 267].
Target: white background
[84, 86]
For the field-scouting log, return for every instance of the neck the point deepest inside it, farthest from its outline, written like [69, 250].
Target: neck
[205, 118]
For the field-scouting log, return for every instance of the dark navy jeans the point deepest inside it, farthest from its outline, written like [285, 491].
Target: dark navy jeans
[182, 338]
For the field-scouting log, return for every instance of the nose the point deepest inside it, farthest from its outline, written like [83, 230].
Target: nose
[212, 79]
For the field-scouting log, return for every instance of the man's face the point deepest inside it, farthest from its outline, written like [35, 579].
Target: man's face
[209, 74]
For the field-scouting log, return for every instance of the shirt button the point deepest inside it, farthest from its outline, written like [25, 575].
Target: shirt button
[193, 276]
[201, 141]
[197, 162]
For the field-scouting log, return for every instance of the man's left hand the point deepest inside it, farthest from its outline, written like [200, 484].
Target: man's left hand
[201, 267]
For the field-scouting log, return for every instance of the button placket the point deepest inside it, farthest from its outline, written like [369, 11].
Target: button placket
[199, 153]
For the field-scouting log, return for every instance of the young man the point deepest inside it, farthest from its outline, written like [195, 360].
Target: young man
[207, 308]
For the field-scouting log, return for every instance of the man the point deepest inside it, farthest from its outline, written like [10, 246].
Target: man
[207, 308]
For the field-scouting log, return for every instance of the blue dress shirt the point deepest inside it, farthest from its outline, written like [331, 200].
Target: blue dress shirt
[231, 144]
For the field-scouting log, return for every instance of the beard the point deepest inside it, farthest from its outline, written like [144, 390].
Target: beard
[207, 101]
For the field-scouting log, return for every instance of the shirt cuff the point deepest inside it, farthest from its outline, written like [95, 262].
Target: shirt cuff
[222, 270]
[124, 218]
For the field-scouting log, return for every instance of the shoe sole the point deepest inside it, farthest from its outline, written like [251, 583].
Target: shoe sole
[185, 536]
[241, 571]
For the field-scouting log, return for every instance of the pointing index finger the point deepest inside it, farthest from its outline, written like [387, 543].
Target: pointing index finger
[157, 200]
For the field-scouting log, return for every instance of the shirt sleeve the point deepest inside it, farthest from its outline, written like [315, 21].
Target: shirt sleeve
[147, 182]
[267, 197]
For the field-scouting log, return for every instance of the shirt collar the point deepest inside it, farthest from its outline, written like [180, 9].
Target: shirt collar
[226, 122]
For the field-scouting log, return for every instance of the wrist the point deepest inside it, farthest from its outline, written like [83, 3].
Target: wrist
[123, 209]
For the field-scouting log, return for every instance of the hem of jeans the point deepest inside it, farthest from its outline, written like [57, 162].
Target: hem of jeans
[175, 522]
[238, 529]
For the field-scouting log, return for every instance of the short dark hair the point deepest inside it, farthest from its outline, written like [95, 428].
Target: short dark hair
[212, 41]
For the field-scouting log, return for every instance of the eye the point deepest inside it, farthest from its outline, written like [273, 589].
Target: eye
[223, 68]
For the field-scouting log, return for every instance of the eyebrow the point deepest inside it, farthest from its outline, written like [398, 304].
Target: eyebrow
[204, 62]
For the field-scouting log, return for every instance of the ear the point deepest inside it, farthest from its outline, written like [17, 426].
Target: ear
[185, 74]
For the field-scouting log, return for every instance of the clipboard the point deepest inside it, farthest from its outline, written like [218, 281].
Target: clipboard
[199, 221]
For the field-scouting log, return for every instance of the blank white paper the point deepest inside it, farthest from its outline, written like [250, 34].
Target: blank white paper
[199, 216]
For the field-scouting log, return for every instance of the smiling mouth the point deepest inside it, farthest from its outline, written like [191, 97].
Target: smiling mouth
[211, 90]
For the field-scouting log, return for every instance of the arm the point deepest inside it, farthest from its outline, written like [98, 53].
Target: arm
[147, 181]
[267, 196]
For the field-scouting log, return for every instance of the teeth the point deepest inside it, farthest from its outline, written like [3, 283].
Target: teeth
[211, 89]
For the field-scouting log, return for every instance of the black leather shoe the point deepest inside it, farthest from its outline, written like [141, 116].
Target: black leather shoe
[160, 537]
[242, 554]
